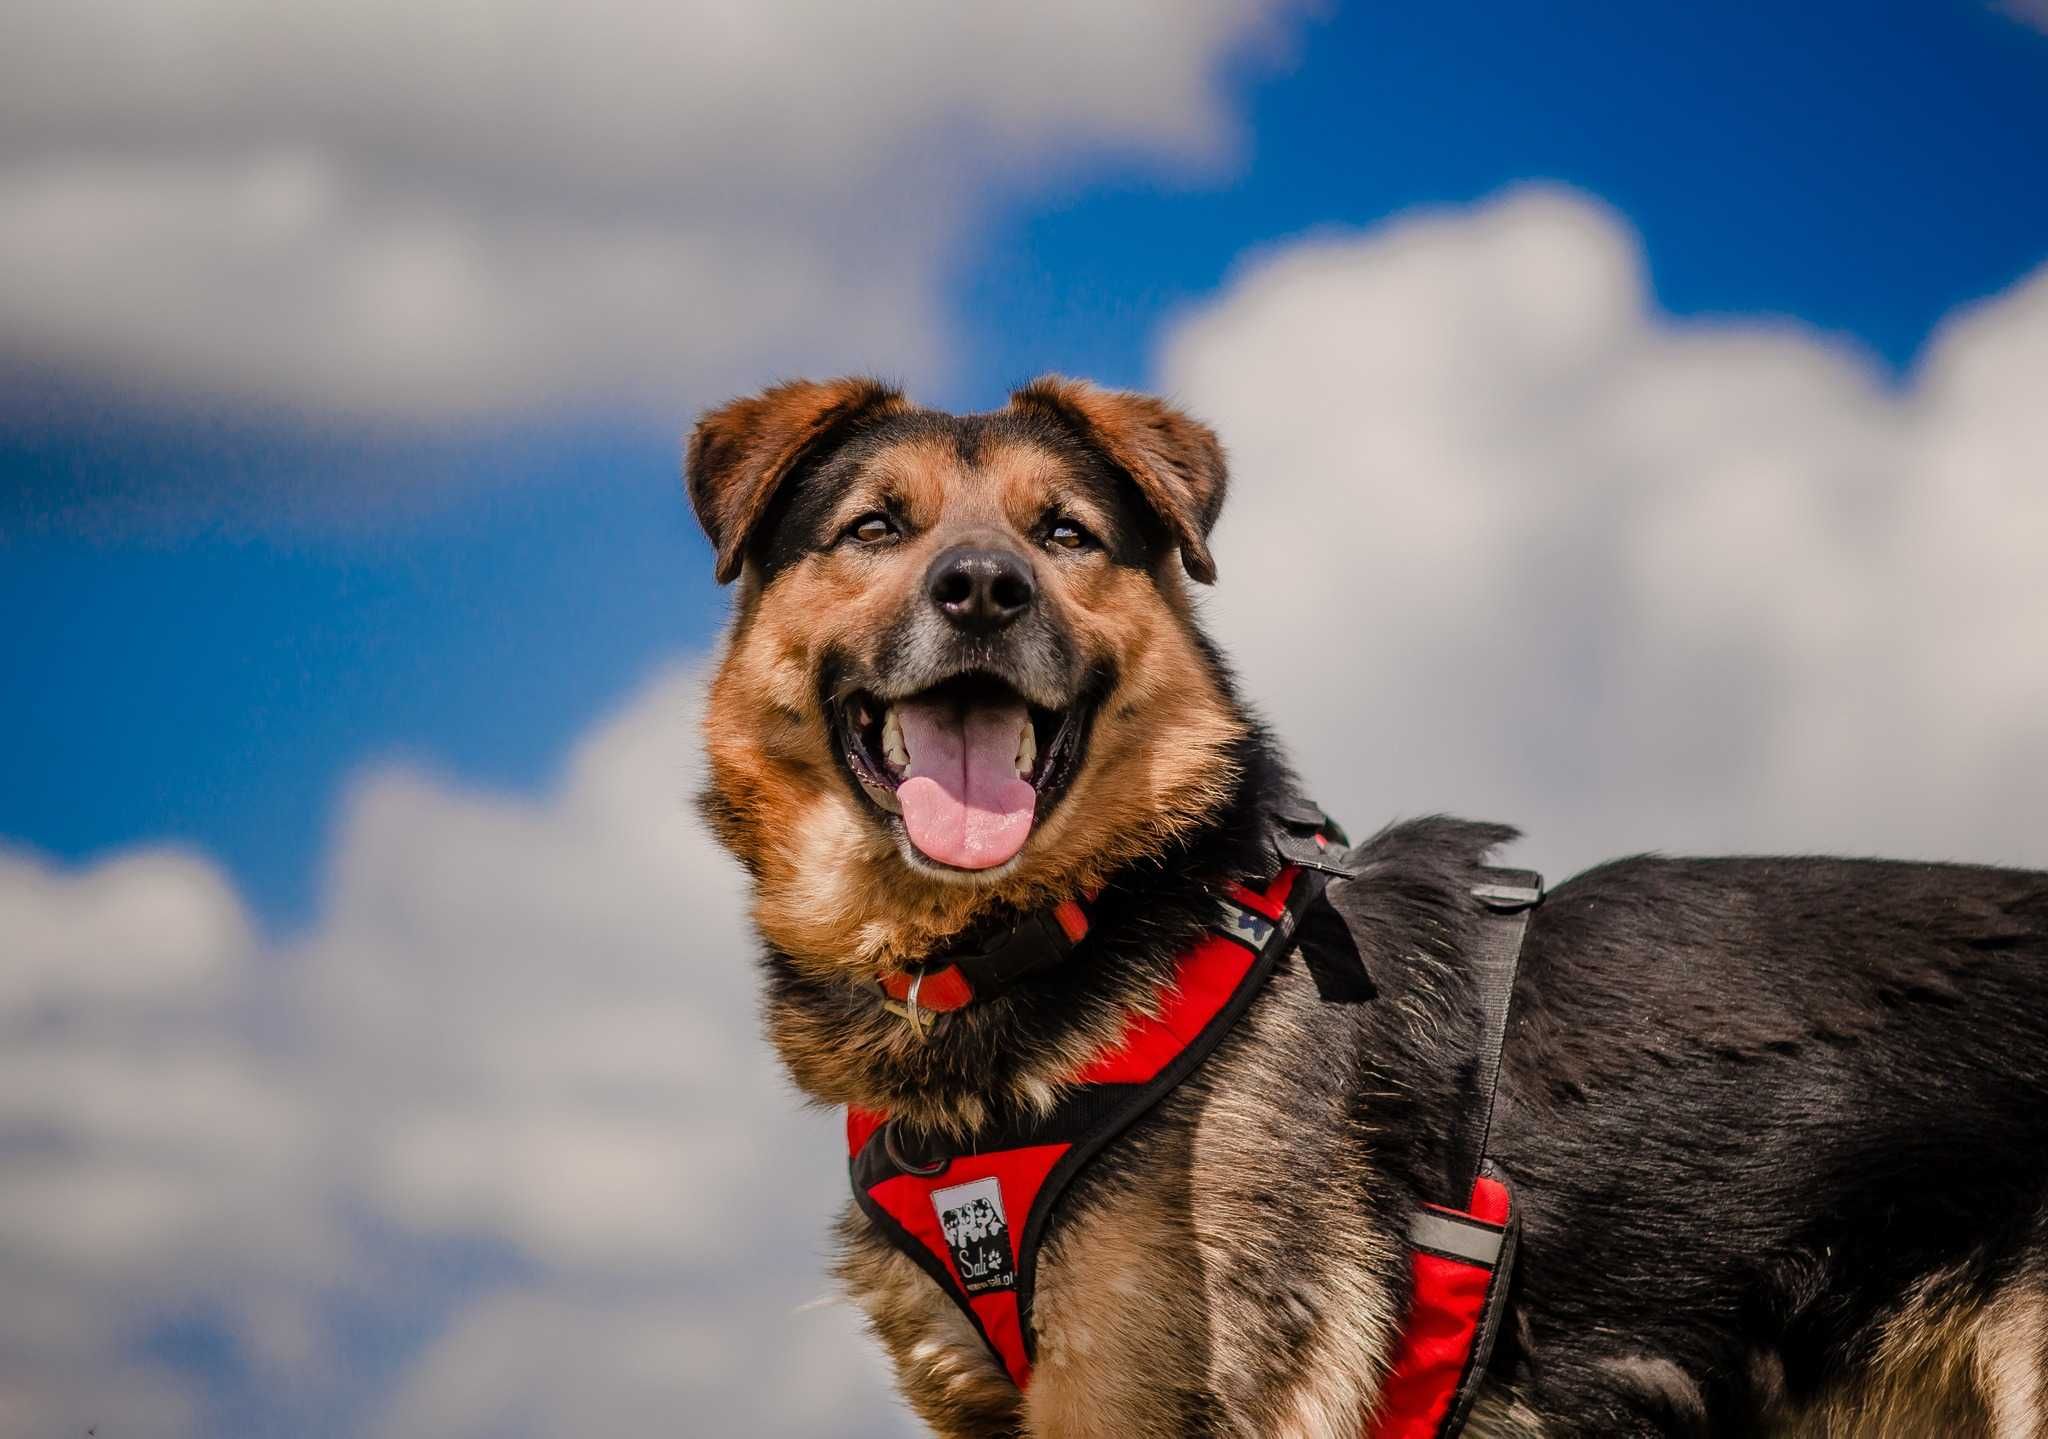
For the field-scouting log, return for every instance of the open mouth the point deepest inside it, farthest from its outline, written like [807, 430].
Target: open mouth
[968, 766]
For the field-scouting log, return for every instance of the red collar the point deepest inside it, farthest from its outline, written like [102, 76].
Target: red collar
[959, 978]
[1042, 940]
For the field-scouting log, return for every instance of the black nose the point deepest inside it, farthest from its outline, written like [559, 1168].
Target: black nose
[980, 590]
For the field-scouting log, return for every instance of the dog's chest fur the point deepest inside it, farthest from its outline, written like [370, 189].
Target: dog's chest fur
[1219, 1270]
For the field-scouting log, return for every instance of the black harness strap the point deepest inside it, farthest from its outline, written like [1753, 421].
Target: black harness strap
[1506, 896]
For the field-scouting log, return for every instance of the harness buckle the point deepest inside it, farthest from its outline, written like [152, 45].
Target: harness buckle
[1510, 891]
[1314, 851]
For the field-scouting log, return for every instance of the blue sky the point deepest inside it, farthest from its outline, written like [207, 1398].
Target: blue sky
[1649, 395]
[225, 614]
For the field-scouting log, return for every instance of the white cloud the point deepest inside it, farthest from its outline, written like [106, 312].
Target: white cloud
[525, 1026]
[417, 210]
[549, 1012]
[154, 925]
[157, 1159]
[533, 1366]
[1504, 540]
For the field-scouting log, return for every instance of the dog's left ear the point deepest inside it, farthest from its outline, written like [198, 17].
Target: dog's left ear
[1175, 460]
[741, 452]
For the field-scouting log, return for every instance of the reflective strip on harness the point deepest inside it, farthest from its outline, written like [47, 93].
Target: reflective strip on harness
[1455, 1237]
[1460, 1264]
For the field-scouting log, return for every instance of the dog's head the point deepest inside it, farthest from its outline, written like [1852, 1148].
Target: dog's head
[962, 669]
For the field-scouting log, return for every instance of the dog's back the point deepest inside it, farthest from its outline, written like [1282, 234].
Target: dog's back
[1782, 1125]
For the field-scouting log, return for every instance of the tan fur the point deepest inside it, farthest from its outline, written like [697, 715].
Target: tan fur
[739, 453]
[942, 1367]
[2012, 1361]
[830, 889]
[1113, 1345]
[1500, 1416]
[1945, 1365]
[1175, 460]
[1354, 1323]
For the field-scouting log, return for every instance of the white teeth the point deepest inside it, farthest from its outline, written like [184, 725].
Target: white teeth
[1027, 748]
[893, 749]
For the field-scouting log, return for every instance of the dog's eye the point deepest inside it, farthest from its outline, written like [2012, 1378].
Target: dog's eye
[871, 529]
[1067, 535]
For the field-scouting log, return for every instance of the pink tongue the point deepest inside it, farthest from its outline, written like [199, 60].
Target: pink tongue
[964, 802]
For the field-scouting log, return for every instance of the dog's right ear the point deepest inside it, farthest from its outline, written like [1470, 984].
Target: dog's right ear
[741, 452]
[1174, 459]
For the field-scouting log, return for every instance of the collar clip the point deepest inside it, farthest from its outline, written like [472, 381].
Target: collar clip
[949, 982]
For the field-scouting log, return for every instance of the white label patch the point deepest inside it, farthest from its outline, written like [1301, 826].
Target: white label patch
[978, 1233]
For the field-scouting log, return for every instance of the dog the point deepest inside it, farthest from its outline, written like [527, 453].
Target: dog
[1776, 1128]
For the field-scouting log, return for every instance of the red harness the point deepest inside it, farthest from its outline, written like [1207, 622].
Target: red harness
[975, 1221]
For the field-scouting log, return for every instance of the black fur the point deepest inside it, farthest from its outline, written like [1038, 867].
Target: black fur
[1750, 1102]
[1748, 1105]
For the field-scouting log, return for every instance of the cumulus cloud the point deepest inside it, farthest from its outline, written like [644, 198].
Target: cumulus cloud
[1505, 540]
[433, 209]
[511, 1077]
[157, 1159]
